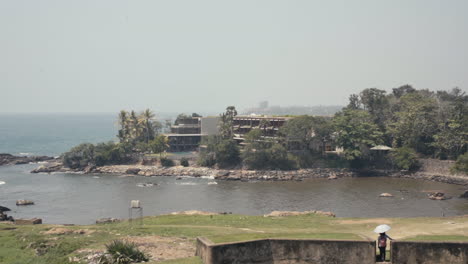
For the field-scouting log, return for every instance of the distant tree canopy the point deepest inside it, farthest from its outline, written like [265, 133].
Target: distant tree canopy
[303, 131]
[432, 123]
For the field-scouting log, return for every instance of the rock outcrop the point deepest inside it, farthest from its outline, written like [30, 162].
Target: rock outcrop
[464, 195]
[295, 213]
[32, 221]
[107, 220]
[24, 202]
[48, 168]
[437, 196]
[8, 159]
[385, 195]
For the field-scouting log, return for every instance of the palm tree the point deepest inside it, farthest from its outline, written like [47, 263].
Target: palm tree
[123, 122]
[135, 126]
[145, 119]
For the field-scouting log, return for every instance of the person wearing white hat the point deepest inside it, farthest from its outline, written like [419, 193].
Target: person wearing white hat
[382, 239]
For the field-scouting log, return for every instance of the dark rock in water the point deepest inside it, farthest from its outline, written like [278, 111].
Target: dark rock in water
[465, 195]
[132, 171]
[8, 159]
[438, 196]
[33, 221]
[107, 220]
[24, 202]
[4, 209]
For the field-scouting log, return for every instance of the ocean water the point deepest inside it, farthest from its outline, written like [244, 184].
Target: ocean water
[53, 134]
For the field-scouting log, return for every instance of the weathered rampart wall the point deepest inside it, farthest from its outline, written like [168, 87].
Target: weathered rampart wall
[405, 252]
[282, 251]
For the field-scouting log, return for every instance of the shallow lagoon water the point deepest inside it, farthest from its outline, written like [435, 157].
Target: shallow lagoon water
[81, 199]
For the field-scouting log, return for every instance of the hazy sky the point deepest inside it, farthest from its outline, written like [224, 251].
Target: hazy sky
[185, 56]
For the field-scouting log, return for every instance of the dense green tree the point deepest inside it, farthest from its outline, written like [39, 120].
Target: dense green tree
[227, 153]
[263, 153]
[207, 155]
[403, 90]
[95, 155]
[415, 123]
[159, 144]
[354, 102]
[405, 158]
[375, 102]
[461, 165]
[356, 132]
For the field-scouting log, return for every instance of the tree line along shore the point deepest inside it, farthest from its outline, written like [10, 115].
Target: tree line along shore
[376, 131]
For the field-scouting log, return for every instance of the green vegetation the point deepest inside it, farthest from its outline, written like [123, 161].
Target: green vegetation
[100, 154]
[223, 152]
[405, 158]
[356, 133]
[264, 153]
[415, 123]
[33, 244]
[122, 252]
[137, 134]
[159, 144]
[166, 162]
[184, 162]
[461, 165]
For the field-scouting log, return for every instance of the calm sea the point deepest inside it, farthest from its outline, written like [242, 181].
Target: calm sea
[53, 134]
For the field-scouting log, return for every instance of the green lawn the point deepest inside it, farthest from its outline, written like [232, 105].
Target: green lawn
[28, 244]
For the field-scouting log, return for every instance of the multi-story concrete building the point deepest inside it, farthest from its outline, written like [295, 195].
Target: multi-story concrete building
[186, 133]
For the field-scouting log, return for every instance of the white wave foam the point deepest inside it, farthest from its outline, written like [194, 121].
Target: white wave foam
[96, 177]
[212, 183]
[25, 154]
[145, 185]
[207, 177]
[187, 183]
[2, 182]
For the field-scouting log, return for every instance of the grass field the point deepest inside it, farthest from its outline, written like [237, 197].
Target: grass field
[173, 236]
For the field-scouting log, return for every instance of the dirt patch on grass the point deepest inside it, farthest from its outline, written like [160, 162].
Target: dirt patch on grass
[194, 212]
[164, 248]
[378, 221]
[66, 231]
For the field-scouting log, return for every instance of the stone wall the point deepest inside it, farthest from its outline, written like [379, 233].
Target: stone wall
[282, 251]
[435, 166]
[405, 252]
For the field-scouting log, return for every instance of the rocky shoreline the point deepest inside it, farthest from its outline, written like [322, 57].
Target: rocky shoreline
[250, 175]
[8, 159]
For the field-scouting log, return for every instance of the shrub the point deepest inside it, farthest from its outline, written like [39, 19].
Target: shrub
[79, 156]
[167, 162]
[461, 165]
[405, 158]
[207, 159]
[227, 153]
[121, 252]
[184, 162]
[273, 157]
[100, 154]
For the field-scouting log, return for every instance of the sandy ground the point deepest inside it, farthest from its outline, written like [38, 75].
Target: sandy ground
[164, 248]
